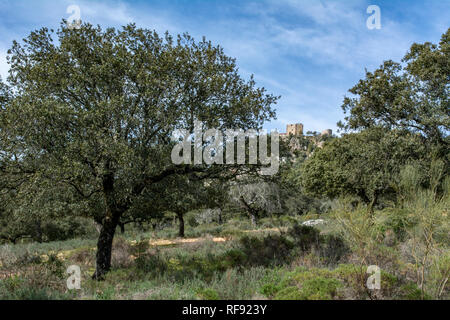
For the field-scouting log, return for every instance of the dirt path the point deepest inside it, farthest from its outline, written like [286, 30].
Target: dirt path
[165, 242]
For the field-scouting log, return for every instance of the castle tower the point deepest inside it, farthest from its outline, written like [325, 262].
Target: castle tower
[294, 129]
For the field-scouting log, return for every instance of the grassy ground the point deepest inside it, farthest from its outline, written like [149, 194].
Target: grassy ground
[279, 260]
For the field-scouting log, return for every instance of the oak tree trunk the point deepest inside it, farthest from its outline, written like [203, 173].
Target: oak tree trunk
[38, 230]
[104, 248]
[220, 216]
[181, 225]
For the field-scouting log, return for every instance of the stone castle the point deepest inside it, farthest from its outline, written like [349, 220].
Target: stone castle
[294, 129]
[297, 130]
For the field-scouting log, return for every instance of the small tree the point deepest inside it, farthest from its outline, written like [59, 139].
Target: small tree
[178, 194]
[256, 198]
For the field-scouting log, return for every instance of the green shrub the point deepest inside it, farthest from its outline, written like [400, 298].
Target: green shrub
[207, 294]
[288, 293]
[272, 283]
[233, 258]
[302, 284]
[151, 263]
[411, 291]
[17, 288]
[68, 228]
[320, 288]
[55, 266]
[396, 219]
[270, 250]
[192, 221]
[304, 237]
[333, 249]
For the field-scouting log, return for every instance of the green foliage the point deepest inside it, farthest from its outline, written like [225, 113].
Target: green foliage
[207, 294]
[191, 220]
[361, 164]
[301, 284]
[270, 250]
[319, 288]
[305, 237]
[105, 107]
[272, 282]
[289, 293]
[410, 291]
[395, 220]
[346, 281]
[428, 240]
[16, 288]
[414, 97]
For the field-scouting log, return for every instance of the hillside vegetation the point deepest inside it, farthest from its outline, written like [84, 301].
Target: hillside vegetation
[87, 179]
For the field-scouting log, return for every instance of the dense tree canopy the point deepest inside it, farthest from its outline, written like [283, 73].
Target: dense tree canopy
[91, 114]
[413, 96]
[398, 114]
[361, 164]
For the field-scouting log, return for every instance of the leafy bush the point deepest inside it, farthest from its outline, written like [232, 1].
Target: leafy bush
[207, 294]
[305, 237]
[396, 219]
[302, 284]
[16, 288]
[333, 249]
[411, 291]
[151, 263]
[289, 293]
[270, 250]
[319, 288]
[68, 228]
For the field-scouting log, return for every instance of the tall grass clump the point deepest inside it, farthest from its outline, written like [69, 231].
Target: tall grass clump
[429, 243]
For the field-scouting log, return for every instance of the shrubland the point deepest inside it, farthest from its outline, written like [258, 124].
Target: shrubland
[96, 161]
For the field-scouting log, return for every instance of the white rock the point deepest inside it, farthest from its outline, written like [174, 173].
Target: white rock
[311, 223]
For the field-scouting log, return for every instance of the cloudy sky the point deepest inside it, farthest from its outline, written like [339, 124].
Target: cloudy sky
[308, 51]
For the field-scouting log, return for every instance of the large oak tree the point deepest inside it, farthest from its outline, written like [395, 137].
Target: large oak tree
[90, 116]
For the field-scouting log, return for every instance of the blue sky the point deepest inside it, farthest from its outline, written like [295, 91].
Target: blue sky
[308, 51]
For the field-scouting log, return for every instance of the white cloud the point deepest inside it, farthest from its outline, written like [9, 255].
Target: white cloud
[308, 51]
[283, 41]
[336, 33]
[118, 13]
[321, 12]
[96, 12]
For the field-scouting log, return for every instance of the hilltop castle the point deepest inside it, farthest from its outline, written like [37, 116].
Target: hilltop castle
[294, 129]
[297, 130]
